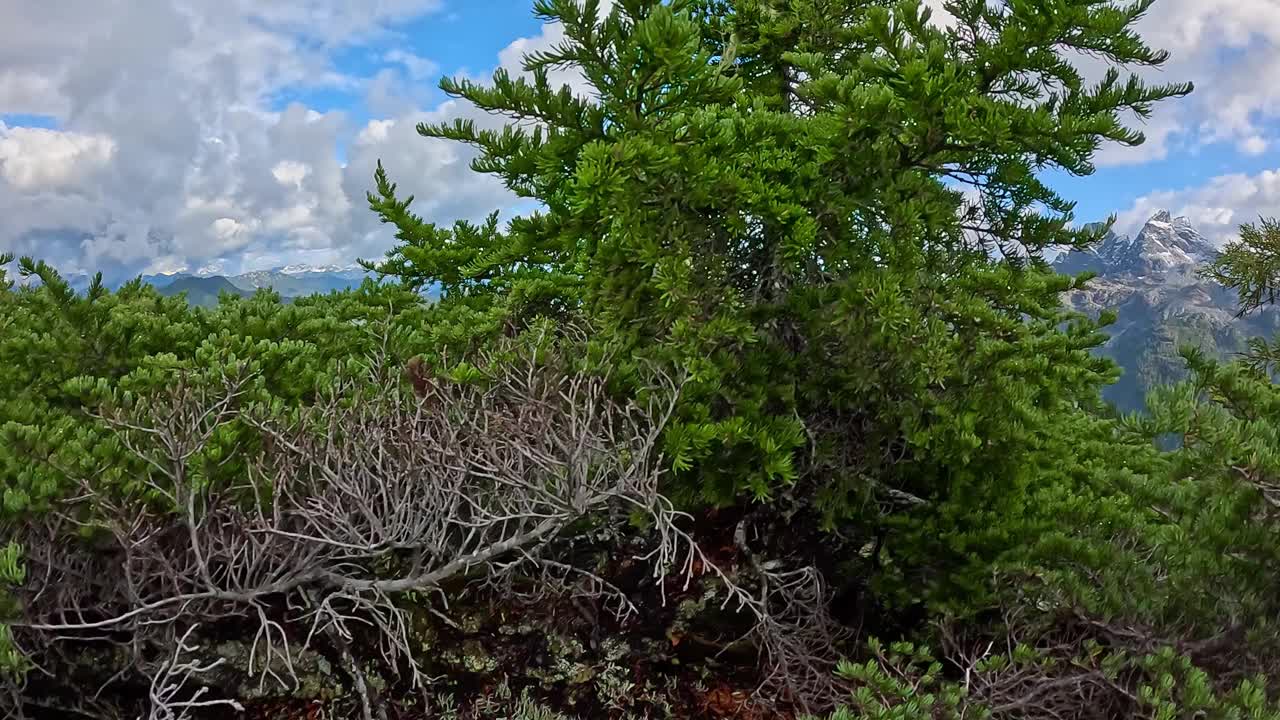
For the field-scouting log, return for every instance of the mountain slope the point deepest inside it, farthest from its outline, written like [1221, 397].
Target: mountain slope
[290, 281]
[300, 280]
[164, 280]
[201, 291]
[1151, 281]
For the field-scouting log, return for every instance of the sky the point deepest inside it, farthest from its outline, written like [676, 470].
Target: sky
[235, 135]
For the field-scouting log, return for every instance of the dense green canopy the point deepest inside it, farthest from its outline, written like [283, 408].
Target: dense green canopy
[771, 197]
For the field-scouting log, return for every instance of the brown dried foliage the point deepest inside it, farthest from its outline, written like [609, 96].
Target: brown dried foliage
[376, 491]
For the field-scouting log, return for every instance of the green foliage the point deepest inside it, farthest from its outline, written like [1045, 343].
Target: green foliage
[1251, 264]
[1209, 548]
[203, 292]
[1178, 689]
[764, 198]
[823, 219]
[904, 682]
[63, 356]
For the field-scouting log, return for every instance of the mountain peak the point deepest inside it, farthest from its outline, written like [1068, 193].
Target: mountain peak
[1164, 217]
[1165, 244]
[1161, 304]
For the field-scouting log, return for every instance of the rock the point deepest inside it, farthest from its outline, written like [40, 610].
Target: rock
[313, 677]
[1153, 284]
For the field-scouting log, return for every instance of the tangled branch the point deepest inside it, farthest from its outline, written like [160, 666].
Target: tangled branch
[363, 496]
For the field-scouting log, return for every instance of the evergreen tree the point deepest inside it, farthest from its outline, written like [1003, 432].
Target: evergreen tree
[1220, 494]
[770, 197]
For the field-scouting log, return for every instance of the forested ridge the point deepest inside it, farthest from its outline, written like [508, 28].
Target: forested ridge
[773, 408]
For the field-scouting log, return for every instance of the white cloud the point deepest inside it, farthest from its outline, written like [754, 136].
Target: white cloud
[419, 67]
[295, 217]
[512, 56]
[333, 21]
[173, 151]
[1160, 133]
[1217, 208]
[232, 233]
[40, 160]
[1254, 145]
[940, 16]
[436, 172]
[25, 93]
[375, 131]
[290, 173]
[1229, 49]
[168, 151]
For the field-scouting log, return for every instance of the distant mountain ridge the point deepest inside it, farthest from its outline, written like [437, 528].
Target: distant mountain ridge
[290, 281]
[1150, 279]
[1152, 282]
[201, 291]
[299, 280]
[1164, 245]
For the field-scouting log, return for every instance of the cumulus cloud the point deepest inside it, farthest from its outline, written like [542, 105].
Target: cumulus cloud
[37, 158]
[419, 68]
[512, 56]
[448, 189]
[1217, 208]
[1163, 133]
[1228, 48]
[1254, 145]
[168, 153]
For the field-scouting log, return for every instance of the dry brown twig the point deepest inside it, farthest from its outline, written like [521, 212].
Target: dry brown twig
[170, 697]
[374, 491]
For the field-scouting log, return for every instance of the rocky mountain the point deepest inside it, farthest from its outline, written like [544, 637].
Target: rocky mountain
[1166, 246]
[1162, 304]
[164, 279]
[80, 281]
[290, 281]
[298, 280]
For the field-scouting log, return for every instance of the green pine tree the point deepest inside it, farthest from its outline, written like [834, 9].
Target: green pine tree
[768, 198]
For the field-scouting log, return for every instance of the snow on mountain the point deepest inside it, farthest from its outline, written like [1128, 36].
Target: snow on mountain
[303, 268]
[254, 280]
[1165, 244]
[1161, 302]
[299, 279]
[217, 267]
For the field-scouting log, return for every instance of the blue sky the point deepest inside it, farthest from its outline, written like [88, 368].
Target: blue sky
[1115, 188]
[229, 135]
[464, 40]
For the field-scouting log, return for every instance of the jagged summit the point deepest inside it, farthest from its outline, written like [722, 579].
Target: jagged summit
[1162, 304]
[1166, 244]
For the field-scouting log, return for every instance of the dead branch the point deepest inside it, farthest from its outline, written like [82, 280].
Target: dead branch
[336, 511]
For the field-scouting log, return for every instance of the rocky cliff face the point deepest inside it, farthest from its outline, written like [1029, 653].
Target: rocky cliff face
[1166, 246]
[1162, 304]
